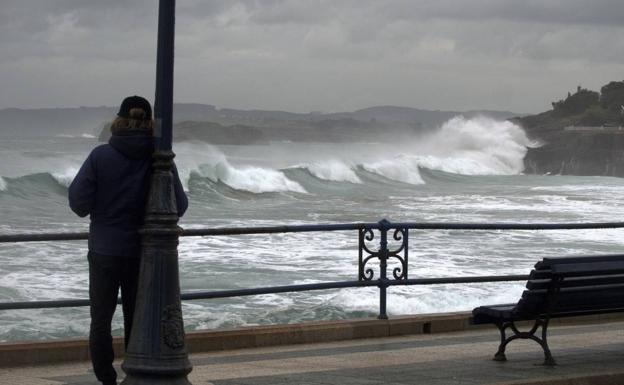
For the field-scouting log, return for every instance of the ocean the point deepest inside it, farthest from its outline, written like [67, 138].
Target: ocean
[468, 170]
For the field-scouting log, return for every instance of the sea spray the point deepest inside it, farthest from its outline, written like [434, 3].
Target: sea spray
[477, 146]
[401, 168]
[209, 162]
[3, 184]
[66, 176]
[333, 170]
[189, 157]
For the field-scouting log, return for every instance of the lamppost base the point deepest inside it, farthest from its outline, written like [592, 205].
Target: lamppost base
[144, 371]
[152, 380]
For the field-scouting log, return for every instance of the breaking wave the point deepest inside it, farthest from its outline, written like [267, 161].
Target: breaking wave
[333, 170]
[250, 178]
[65, 177]
[402, 169]
[209, 162]
[478, 146]
[33, 186]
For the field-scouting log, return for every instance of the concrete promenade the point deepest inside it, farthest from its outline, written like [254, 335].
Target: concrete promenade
[586, 353]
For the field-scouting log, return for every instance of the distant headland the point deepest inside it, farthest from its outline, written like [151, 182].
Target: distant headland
[583, 134]
[215, 125]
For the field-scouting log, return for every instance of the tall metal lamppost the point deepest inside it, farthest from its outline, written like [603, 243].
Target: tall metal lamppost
[157, 353]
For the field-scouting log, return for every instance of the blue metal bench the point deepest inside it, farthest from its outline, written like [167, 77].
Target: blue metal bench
[558, 287]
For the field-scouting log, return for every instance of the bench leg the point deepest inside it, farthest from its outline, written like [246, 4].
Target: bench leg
[500, 354]
[543, 342]
[548, 358]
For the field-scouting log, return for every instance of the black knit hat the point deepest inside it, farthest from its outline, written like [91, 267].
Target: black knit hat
[134, 102]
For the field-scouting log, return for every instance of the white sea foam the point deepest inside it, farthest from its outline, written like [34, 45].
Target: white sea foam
[210, 162]
[478, 146]
[423, 300]
[3, 185]
[83, 135]
[596, 189]
[473, 164]
[333, 170]
[401, 168]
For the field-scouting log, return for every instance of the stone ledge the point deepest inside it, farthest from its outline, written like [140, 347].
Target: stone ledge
[47, 352]
[596, 379]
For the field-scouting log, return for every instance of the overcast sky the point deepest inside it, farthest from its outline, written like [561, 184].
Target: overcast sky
[309, 55]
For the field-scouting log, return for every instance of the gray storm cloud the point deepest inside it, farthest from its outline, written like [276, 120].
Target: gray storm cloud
[313, 55]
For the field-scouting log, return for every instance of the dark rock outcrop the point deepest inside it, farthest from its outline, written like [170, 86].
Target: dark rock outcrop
[598, 152]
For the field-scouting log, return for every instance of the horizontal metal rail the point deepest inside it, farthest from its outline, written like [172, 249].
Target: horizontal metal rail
[507, 226]
[392, 269]
[456, 280]
[188, 296]
[41, 237]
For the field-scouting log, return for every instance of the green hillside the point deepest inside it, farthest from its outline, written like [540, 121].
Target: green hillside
[583, 108]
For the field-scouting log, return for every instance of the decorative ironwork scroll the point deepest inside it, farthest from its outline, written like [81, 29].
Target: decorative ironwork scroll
[383, 253]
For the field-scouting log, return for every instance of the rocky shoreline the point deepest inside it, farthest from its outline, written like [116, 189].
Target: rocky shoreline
[599, 152]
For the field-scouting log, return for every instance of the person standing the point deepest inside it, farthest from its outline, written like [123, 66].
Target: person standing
[112, 187]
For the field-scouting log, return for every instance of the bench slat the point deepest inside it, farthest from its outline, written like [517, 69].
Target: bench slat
[547, 262]
[540, 274]
[582, 298]
[484, 315]
[587, 268]
[596, 266]
[593, 280]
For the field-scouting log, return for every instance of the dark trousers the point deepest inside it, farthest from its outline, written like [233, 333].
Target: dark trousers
[106, 275]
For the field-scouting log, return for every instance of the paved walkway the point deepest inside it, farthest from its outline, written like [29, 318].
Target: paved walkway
[592, 352]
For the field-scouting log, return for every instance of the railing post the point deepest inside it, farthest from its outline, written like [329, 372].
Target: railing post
[384, 225]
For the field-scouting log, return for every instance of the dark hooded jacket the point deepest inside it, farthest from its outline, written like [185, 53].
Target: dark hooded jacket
[112, 187]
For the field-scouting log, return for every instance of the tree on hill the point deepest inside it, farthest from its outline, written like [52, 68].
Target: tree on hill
[577, 103]
[583, 108]
[612, 96]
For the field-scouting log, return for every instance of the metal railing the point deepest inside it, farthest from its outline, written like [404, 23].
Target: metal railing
[368, 275]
